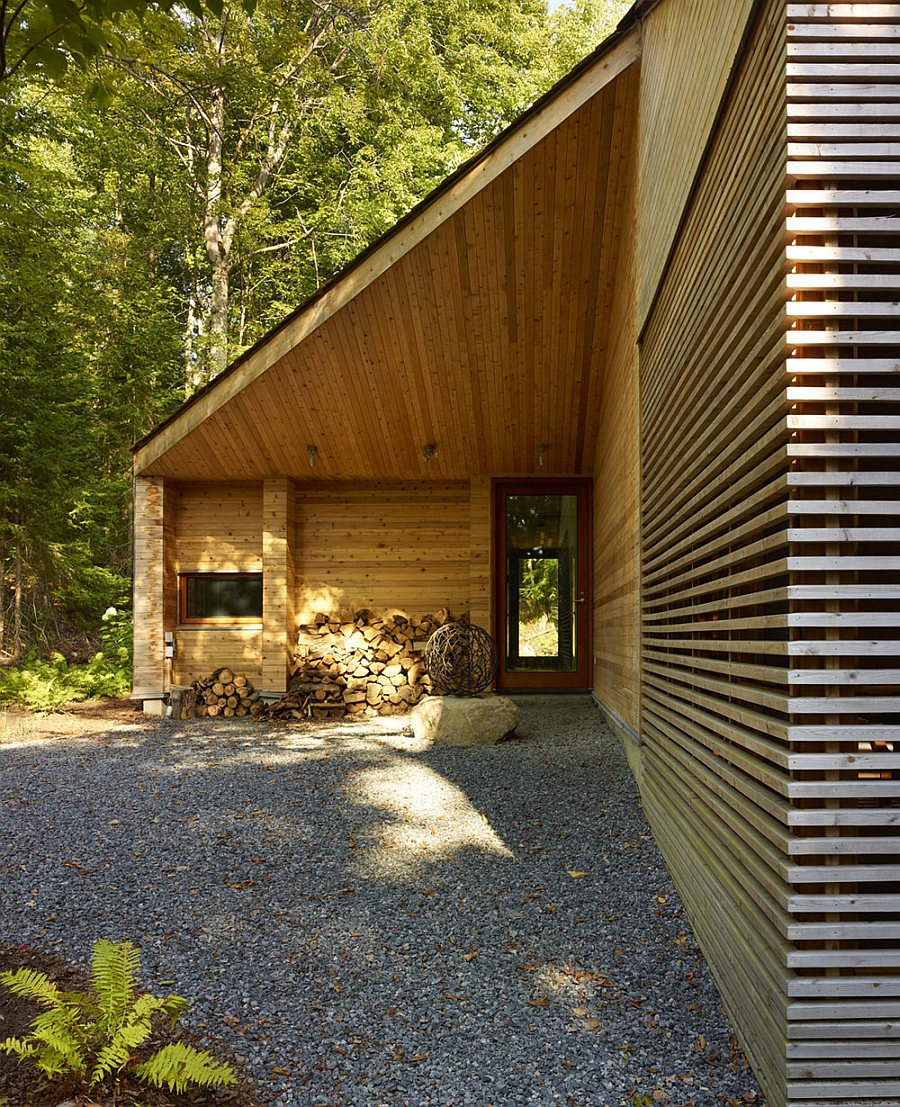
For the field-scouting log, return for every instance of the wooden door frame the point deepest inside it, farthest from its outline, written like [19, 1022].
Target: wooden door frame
[536, 486]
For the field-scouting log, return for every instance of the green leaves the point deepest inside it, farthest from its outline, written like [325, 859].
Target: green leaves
[93, 1036]
[178, 1066]
[44, 37]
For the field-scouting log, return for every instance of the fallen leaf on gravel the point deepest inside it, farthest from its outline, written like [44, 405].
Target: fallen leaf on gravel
[282, 1072]
[659, 1095]
[580, 1011]
[542, 1002]
[418, 1057]
[593, 1023]
[573, 872]
[470, 956]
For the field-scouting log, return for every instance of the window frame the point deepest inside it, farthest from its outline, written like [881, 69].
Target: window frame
[186, 620]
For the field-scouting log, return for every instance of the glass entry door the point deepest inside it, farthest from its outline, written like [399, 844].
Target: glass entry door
[542, 584]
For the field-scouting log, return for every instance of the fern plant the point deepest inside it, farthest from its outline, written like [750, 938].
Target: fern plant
[87, 1037]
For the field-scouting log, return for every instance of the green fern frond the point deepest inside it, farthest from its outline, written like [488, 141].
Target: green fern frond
[170, 1006]
[114, 970]
[61, 1030]
[48, 1060]
[117, 1053]
[57, 1043]
[20, 1046]
[106, 1027]
[31, 984]
[178, 1066]
[147, 1005]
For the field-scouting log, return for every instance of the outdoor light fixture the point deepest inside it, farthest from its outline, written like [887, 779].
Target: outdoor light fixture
[311, 453]
[429, 452]
[542, 449]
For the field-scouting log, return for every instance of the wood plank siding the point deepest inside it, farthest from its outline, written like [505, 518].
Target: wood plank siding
[616, 506]
[217, 527]
[770, 575]
[279, 631]
[676, 36]
[389, 547]
[714, 534]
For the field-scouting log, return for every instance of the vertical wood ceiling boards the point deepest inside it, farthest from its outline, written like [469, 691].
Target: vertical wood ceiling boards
[486, 337]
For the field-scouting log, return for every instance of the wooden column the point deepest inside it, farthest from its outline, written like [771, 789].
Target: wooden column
[279, 628]
[480, 534]
[149, 681]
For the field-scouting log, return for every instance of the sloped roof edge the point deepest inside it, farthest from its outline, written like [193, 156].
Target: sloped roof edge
[626, 28]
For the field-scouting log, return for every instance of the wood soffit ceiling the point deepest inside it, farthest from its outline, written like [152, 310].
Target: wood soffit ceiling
[485, 338]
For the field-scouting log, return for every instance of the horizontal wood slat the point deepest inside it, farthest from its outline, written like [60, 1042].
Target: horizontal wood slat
[771, 578]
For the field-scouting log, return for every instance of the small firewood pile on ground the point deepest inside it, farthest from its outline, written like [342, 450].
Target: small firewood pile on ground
[227, 694]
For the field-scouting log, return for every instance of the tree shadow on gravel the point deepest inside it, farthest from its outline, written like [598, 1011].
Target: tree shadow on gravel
[357, 920]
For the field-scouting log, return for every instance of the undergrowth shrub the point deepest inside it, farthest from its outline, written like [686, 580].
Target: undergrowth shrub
[45, 685]
[86, 1038]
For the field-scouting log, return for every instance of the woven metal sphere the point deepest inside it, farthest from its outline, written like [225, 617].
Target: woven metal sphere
[461, 659]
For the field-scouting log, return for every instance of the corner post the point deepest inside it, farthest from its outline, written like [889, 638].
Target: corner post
[279, 509]
[149, 682]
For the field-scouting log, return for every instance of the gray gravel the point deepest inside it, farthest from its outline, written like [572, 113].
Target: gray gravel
[358, 921]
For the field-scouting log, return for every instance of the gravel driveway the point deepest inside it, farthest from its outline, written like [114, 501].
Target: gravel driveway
[360, 921]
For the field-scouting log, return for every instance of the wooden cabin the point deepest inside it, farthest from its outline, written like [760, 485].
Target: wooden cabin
[646, 340]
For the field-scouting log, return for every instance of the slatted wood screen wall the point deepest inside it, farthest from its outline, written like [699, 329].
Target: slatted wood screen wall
[844, 228]
[771, 576]
[616, 501]
[677, 36]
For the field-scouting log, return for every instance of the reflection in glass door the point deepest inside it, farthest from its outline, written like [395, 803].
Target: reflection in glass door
[544, 569]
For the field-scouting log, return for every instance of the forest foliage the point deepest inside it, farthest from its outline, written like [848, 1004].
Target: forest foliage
[173, 181]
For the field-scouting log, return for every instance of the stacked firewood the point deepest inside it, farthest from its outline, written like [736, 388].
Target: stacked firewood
[227, 694]
[369, 664]
[308, 700]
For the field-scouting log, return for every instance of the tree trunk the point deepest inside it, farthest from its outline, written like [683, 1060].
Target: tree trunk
[217, 246]
[2, 593]
[17, 608]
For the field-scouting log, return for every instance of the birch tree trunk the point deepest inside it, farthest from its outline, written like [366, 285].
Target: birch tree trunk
[217, 247]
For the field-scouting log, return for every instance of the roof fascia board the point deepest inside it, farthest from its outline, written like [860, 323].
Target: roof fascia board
[622, 51]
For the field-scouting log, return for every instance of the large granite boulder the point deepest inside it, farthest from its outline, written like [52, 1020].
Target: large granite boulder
[465, 720]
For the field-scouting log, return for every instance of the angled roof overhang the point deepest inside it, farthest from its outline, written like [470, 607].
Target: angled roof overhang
[476, 324]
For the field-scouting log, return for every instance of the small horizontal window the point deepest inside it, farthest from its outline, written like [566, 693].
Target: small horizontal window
[220, 597]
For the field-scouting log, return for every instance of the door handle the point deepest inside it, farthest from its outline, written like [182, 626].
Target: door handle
[581, 601]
